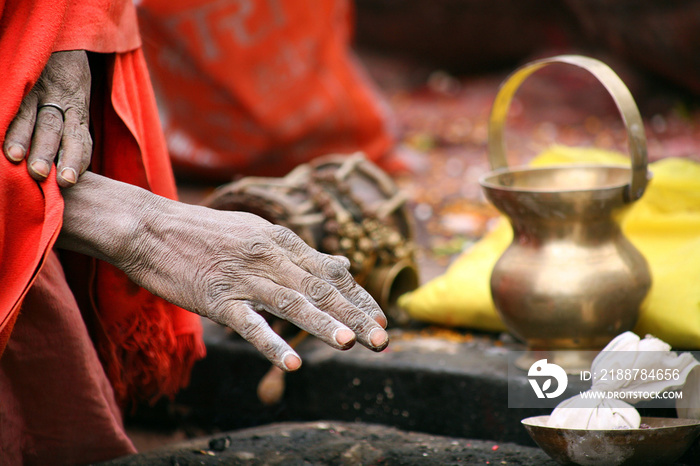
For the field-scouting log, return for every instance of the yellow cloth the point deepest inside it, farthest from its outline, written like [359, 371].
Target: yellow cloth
[664, 225]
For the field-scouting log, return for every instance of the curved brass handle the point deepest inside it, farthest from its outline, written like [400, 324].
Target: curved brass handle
[617, 89]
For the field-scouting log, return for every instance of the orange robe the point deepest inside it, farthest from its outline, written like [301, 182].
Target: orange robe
[259, 87]
[54, 394]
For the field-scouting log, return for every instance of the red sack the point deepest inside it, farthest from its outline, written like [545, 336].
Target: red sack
[257, 87]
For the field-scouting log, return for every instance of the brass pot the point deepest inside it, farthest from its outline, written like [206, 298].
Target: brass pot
[569, 279]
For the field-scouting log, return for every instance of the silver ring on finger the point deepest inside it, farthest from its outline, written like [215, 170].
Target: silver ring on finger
[56, 106]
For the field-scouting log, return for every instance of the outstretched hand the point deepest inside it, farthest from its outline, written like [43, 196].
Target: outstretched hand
[226, 266]
[52, 121]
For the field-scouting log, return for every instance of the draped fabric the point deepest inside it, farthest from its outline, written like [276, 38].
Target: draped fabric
[259, 87]
[147, 346]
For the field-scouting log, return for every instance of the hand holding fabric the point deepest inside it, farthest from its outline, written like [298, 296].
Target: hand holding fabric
[52, 121]
[226, 266]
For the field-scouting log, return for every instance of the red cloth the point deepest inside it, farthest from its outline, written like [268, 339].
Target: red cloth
[30, 219]
[147, 345]
[30, 212]
[259, 87]
[46, 416]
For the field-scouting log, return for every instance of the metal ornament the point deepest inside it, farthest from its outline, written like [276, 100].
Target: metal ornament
[53, 105]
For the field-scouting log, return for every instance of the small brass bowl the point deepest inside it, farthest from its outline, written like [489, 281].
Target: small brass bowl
[666, 440]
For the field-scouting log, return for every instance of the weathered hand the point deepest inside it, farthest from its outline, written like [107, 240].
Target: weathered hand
[45, 131]
[226, 266]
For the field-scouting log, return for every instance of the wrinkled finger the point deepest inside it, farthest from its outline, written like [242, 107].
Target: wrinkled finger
[76, 148]
[329, 300]
[333, 269]
[343, 280]
[46, 142]
[289, 305]
[250, 325]
[19, 133]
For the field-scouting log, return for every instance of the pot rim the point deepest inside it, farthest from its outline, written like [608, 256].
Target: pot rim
[486, 180]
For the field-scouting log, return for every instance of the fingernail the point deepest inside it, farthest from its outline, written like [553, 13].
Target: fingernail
[378, 337]
[69, 175]
[41, 168]
[291, 361]
[15, 153]
[344, 336]
[381, 320]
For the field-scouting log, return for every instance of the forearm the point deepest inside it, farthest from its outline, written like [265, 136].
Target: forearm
[104, 218]
[159, 243]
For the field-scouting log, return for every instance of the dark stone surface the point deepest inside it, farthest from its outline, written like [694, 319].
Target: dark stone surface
[335, 443]
[429, 384]
[355, 405]
[447, 384]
